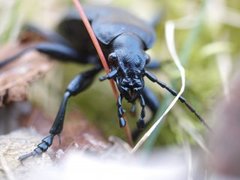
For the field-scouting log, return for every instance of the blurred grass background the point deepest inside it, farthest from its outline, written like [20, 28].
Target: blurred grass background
[207, 43]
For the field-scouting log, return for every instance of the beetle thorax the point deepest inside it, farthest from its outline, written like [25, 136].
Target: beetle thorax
[128, 51]
[127, 40]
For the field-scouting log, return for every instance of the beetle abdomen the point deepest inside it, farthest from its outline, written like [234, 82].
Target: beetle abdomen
[107, 23]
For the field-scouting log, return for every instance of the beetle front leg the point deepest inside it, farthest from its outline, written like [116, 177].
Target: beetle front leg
[55, 130]
[41, 147]
[77, 85]
[122, 121]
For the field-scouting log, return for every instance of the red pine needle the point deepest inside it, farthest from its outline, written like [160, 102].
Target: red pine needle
[101, 56]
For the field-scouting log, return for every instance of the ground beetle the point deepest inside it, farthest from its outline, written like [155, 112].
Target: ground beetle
[124, 39]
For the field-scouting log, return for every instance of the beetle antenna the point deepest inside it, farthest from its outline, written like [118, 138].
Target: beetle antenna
[154, 79]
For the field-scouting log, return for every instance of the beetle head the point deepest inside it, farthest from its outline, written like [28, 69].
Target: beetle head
[128, 67]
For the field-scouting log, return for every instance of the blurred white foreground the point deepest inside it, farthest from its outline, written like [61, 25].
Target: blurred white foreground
[168, 165]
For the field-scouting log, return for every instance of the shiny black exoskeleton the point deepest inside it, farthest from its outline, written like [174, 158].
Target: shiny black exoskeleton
[124, 39]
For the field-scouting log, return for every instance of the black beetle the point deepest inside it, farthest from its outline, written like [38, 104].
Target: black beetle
[124, 39]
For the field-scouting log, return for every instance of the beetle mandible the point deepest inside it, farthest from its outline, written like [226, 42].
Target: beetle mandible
[124, 39]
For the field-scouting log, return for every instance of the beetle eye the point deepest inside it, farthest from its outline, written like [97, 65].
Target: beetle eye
[112, 58]
[147, 58]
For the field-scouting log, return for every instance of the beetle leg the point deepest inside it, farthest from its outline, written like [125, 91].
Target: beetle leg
[141, 123]
[54, 50]
[110, 75]
[14, 57]
[153, 104]
[151, 100]
[122, 121]
[45, 34]
[41, 147]
[76, 86]
[154, 79]
[156, 19]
